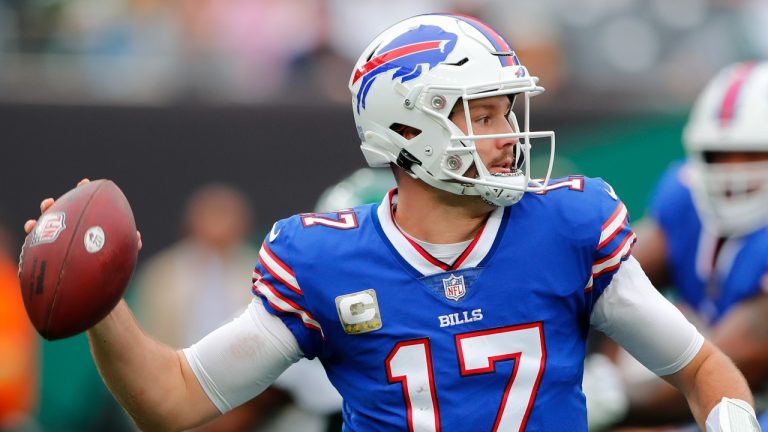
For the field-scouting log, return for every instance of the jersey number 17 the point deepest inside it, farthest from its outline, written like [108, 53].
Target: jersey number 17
[410, 364]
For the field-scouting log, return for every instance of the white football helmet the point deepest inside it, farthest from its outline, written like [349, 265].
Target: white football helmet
[731, 115]
[413, 74]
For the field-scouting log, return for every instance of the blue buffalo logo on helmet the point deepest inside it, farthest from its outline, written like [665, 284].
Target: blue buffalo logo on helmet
[409, 53]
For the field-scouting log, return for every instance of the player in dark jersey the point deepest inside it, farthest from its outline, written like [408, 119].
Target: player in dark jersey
[707, 234]
[460, 302]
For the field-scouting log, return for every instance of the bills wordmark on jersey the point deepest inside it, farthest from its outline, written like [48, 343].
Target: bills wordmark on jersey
[457, 318]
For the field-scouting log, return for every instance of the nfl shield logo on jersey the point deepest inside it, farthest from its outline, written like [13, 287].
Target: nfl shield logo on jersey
[454, 287]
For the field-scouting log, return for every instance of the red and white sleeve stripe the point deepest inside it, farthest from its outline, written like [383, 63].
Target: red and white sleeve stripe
[617, 225]
[278, 269]
[281, 303]
[613, 225]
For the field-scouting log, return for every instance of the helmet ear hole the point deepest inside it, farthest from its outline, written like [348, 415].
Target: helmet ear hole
[407, 132]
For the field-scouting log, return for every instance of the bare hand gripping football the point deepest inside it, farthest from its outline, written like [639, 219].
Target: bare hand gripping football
[77, 259]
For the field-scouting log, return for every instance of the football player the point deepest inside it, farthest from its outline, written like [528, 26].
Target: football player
[707, 234]
[462, 300]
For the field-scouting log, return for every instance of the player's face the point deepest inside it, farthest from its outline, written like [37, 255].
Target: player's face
[489, 116]
[738, 164]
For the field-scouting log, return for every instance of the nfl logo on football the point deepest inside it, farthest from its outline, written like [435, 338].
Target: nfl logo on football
[48, 228]
[454, 287]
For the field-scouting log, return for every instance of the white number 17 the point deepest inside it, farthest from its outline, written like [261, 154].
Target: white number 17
[410, 364]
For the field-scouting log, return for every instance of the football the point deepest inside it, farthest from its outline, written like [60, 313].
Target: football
[75, 265]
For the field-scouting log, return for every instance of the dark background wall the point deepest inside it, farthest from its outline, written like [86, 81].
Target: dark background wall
[282, 157]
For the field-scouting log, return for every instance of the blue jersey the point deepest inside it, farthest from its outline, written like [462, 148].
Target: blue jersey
[710, 274]
[763, 420]
[493, 341]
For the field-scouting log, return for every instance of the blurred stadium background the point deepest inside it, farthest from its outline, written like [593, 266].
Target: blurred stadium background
[163, 96]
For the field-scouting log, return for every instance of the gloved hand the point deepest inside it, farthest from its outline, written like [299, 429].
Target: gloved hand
[732, 415]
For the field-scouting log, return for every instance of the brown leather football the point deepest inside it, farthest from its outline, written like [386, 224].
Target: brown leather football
[76, 263]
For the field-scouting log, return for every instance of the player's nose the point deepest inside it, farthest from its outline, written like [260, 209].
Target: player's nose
[506, 128]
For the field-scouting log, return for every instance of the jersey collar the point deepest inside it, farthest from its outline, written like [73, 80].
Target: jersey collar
[421, 260]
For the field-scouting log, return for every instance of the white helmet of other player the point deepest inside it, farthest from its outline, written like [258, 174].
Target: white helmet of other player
[731, 116]
[413, 74]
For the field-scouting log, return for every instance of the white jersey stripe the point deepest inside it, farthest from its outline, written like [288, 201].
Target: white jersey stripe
[613, 225]
[278, 269]
[285, 305]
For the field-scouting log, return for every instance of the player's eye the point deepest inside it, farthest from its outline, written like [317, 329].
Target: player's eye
[483, 120]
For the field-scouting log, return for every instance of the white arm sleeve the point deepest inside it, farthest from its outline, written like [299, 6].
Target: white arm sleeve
[239, 360]
[633, 313]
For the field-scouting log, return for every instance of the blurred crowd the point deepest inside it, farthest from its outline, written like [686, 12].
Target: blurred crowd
[295, 51]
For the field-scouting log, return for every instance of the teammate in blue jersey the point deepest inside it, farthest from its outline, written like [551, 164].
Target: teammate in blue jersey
[707, 234]
[460, 302]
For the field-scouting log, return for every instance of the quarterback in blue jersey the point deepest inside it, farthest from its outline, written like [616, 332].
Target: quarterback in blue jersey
[707, 234]
[489, 342]
[460, 302]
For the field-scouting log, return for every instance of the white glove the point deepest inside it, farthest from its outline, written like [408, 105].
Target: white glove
[607, 400]
[732, 415]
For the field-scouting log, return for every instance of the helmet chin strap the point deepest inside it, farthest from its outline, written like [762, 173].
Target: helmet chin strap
[499, 195]
[503, 197]
[496, 196]
[454, 188]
